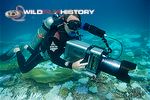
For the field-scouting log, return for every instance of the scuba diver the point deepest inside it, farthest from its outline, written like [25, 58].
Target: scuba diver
[50, 42]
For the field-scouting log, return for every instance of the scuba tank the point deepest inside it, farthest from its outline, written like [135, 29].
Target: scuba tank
[43, 31]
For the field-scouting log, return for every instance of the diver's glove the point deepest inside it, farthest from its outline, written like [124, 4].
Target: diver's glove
[94, 30]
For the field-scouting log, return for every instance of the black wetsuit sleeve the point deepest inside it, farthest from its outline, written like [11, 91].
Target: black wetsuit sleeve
[55, 58]
[94, 30]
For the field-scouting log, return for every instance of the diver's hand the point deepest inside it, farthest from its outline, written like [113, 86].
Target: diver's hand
[78, 65]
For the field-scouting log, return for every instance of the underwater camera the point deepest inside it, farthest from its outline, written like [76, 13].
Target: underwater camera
[98, 60]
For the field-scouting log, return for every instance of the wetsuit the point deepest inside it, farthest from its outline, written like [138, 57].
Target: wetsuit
[54, 45]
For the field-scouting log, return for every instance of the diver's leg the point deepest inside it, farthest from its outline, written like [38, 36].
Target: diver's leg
[20, 58]
[29, 49]
[33, 60]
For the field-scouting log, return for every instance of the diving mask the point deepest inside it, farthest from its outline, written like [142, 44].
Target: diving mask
[74, 24]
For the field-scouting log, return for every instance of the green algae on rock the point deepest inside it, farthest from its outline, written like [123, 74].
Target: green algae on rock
[43, 75]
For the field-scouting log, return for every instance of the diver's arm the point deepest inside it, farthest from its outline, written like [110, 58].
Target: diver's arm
[72, 65]
[59, 61]
[94, 30]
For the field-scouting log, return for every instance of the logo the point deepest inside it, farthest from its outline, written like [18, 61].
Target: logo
[53, 47]
[19, 13]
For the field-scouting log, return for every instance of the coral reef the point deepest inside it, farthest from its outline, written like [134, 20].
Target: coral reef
[49, 81]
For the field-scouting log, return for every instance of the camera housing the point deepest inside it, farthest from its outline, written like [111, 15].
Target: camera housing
[98, 60]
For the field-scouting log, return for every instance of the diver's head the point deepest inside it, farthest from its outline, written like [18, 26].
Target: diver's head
[72, 22]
